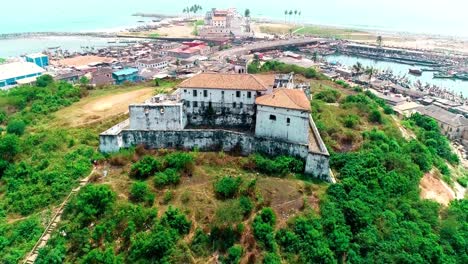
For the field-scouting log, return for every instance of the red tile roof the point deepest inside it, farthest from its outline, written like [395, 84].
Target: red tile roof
[225, 81]
[285, 98]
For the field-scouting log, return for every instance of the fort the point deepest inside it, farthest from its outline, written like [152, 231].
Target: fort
[245, 113]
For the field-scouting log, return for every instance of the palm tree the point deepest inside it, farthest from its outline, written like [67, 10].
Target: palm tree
[295, 16]
[290, 14]
[315, 56]
[285, 15]
[247, 13]
[358, 68]
[371, 71]
[379, 41]
[300, 13]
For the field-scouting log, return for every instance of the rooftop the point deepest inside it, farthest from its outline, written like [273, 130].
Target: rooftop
[225, 81]
[80, 61]
[444, 116]
[286, 98]
[18, 69]
[35, 55]
[127, 71]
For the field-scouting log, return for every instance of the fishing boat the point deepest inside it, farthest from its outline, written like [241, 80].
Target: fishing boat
[443, 75]
[462, 76]
[415, 71]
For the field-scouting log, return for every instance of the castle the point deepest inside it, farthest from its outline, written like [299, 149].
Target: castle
[230, 112]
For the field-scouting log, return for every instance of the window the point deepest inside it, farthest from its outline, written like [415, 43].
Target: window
[187, 103]
[185, 90]
[241, 105]
[288, 121]
[195, 104]
[273, 117]
[205, 93]
[249, 94]
[210, 105]
[234, 105]
[237, 93]
[202, 104]
[194, 93]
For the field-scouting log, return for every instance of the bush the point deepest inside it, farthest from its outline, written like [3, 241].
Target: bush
[3, 116]
[328, 96]
[180, 160]
[280, 165]
[44, 80]
[263, 228]
[351, 121]
[168, 196]
[92, 201]
[375, 116]
[140, 192]
[200, 244]
[9, 147]
[173, 218]
[167, 177]
[271, 258]
[227, 187]
[233, 256]
[16, 127]
[246, 205]
[145, 168]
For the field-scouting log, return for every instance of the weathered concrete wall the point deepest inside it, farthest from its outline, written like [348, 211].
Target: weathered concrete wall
[216, 140]
[157, 117]
[297, 130]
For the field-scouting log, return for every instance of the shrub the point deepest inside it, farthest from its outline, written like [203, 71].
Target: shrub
[271, 258]
[388, 110]
[93, 201]
[280, 165]
[246, 205]
[167, 177]
[200, 244]
[263, 228]
[168, 196]
[180, 160]
[328, 96]
[16, 127]
[140, 192]
[145, 168]
[351, 121]
[3, 116]
[375, 116]
[233, 256]
[44, 80]
[227, 187]
[9, 147]
[173, 218]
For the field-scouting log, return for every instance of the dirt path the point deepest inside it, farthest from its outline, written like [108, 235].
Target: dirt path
[435, 189]
[98, 108]
[42, 241]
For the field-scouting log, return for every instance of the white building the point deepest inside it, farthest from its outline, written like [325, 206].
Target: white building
[284, 115]
[152, 64]
[228, 112]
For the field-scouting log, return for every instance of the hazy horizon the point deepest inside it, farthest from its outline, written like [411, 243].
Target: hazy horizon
[417, 16]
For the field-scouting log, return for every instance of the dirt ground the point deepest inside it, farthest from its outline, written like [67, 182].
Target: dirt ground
[435, 189]
[98, 108]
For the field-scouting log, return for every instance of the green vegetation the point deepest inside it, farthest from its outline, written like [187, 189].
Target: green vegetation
[2, 60]
[164, 206]
[281, 67]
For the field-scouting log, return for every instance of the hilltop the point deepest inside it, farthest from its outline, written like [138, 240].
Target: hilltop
[170, 206]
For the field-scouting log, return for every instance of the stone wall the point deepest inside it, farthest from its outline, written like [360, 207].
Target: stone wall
[157, 117]
[216, 140]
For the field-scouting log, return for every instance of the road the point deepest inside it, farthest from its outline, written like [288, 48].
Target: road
[267, 44]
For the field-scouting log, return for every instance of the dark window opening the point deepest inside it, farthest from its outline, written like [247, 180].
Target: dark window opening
[273, 117]
[238, 93]
[288, 120]
[195, 104]
[234, 105]
[205, 93]
[185, 90]
[202, 104]
[194, 93]
[187, 103]
[249, 94]
[241, 105]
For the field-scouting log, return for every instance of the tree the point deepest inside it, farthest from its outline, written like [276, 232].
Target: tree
[93, 200]
[44, 80]
[358, 68]
[227, 187]
[9, 147]
[290, 14]
[84, 81]
[16, 127]
[375, 116]
[285, 15]
[173, 218]
[379, 41]
[140, 192]
[295, 16]
[315, 56]
[247, 13]
[371, 71]
[153, 247]
[145, 168]
[234, 255]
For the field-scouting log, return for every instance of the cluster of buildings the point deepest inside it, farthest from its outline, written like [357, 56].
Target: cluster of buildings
[230, 112]
[227, 23]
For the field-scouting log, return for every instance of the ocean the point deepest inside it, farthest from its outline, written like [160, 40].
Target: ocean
[423, 16]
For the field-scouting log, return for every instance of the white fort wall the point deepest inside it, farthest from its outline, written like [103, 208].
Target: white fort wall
[316, 164]
[286, 124]
[157, 117]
